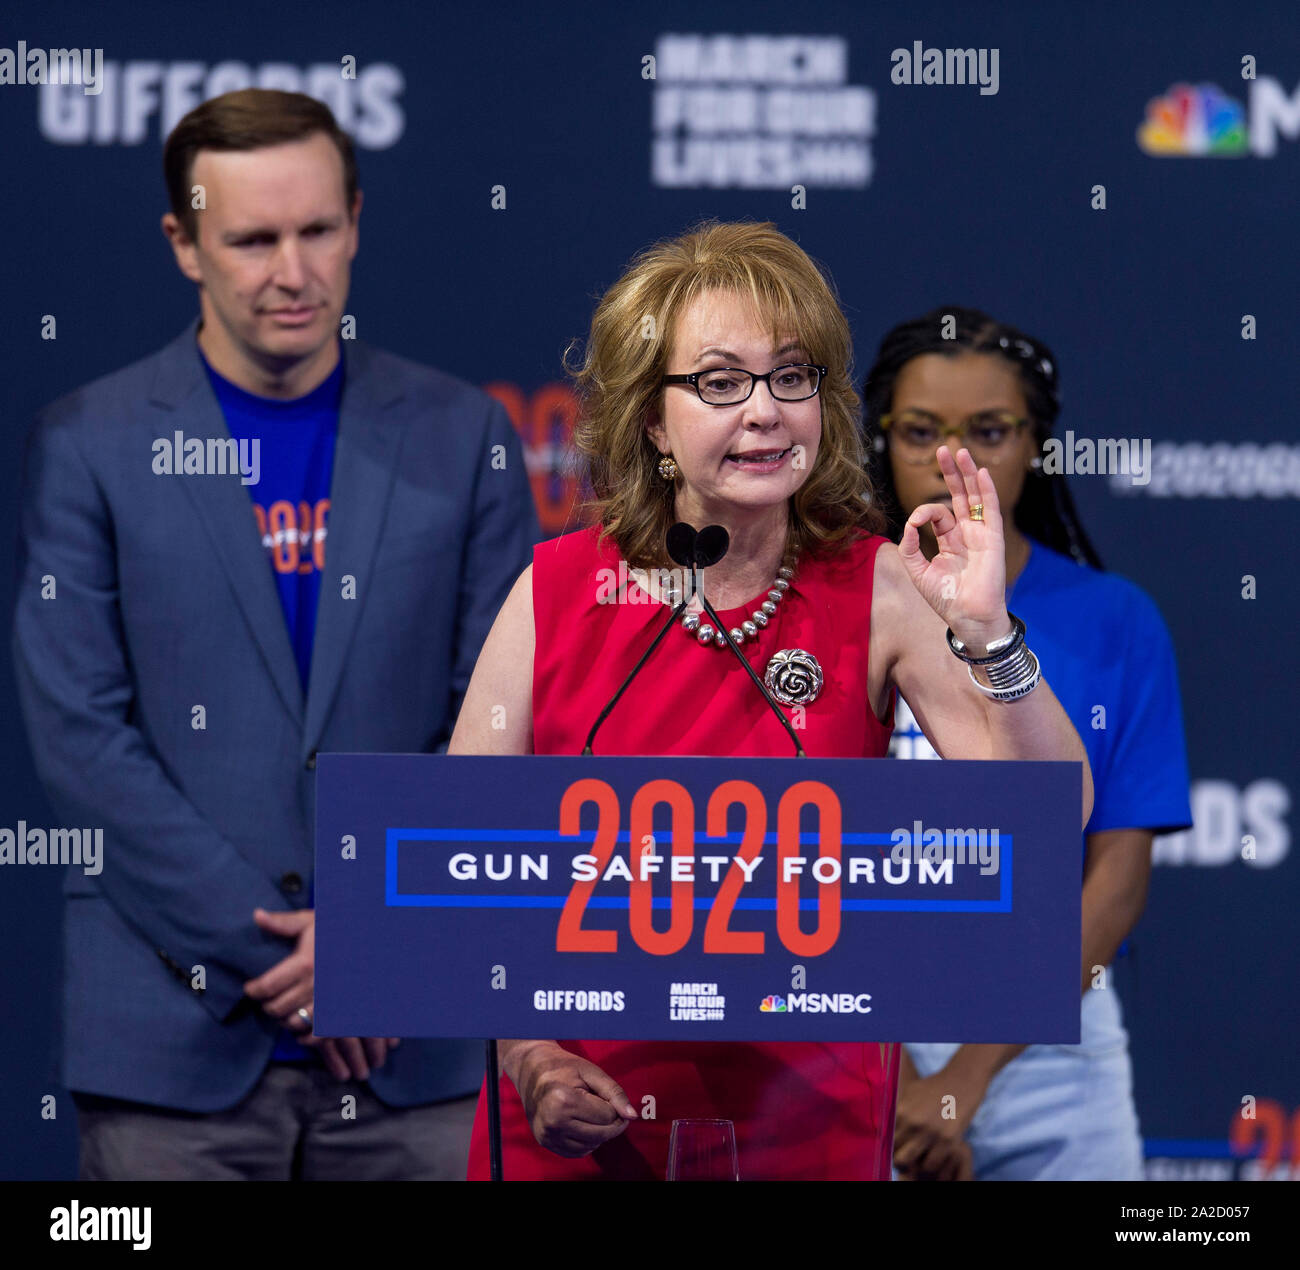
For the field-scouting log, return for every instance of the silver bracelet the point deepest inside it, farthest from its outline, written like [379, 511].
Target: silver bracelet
[999, 648]
[1014, 678]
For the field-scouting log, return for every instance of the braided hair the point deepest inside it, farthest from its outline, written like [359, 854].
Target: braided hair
[1045, 511]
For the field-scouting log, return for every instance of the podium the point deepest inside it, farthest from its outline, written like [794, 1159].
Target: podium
[698, 900]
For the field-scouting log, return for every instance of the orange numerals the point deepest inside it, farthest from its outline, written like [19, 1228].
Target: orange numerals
[1268, 1127]
[545, 423]
[718, 936]
[287, 530]
[647, 862]
[570, 935]
[793, 801]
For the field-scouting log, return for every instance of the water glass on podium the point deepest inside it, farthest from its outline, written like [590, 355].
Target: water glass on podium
[703, 1151]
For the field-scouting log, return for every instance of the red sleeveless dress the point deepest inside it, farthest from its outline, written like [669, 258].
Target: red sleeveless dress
[801, 1110]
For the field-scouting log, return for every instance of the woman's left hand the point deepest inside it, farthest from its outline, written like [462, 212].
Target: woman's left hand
[965, 583]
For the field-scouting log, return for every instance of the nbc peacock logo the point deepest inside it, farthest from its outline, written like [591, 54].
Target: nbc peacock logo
[1194, 121]
[772, 1005]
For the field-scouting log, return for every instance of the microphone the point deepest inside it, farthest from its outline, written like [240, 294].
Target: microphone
[681, 541]
[711, 544]
[696, 550]
[682, 548]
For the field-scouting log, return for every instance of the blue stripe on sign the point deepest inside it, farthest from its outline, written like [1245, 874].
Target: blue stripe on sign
[1205, 1148]
[395, 899]
[663, 902]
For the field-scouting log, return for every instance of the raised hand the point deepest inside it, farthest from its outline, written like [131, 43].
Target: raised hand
[965, 583]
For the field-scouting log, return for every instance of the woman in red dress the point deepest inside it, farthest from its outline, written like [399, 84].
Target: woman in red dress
[716, 390]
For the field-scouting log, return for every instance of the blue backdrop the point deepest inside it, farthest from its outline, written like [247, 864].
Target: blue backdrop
[1128, 193]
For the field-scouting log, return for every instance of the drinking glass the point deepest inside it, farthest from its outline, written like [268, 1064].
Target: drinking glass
[703, 1151]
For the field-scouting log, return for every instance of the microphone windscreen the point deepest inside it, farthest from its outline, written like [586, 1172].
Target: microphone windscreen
[681, 543]
[711, 545]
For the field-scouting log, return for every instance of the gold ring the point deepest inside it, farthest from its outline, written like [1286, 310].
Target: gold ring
[977, 511]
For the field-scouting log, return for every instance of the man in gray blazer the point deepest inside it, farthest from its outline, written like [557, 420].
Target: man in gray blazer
[261, 542]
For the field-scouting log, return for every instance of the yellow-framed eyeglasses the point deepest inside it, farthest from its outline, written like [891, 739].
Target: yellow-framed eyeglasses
[988, 435]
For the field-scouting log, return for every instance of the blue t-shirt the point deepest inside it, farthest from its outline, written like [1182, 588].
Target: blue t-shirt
[291, 501]
[1106, 653]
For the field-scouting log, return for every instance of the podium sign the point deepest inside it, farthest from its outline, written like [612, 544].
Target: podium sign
[720, 899]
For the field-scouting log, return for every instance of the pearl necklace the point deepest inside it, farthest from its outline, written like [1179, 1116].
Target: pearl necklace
[794, 676]
[757, 620]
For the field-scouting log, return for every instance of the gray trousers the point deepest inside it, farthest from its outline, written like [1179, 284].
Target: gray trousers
[294, 1126]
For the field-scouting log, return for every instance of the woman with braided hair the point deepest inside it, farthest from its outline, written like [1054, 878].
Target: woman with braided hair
[957, 377]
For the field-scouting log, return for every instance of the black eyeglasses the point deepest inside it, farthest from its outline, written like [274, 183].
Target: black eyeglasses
[728, 386]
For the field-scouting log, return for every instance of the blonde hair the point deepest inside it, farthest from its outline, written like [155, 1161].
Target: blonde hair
[626, 356]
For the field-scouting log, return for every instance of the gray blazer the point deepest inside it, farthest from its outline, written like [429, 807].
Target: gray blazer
[163, 600]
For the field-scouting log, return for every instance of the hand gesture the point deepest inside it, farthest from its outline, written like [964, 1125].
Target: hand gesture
[286, 993]
[928, 1146]
[572, 1106]
[965, 583]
